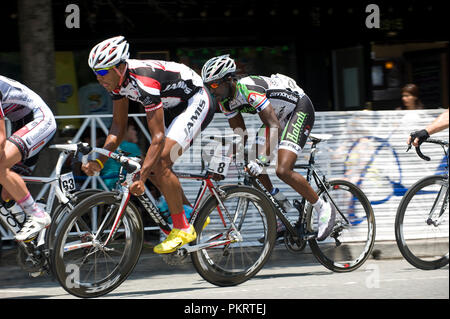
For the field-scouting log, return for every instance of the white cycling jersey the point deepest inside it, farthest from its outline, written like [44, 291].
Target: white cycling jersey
[253, 94]
[32, 120]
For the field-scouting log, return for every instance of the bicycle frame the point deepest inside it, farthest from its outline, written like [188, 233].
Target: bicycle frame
[311, 173]
[152, 210]
[7, 217]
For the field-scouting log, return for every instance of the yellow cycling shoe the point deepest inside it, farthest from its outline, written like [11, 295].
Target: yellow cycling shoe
[175, 240]
[207, 221]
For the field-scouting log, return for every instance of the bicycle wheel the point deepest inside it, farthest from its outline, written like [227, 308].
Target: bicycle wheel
[421, 224]
[353, 236]
[83, 265]
[239, 260]
[62, 211]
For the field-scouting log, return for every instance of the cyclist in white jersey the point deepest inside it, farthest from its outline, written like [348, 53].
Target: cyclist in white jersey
[288, 118]
[33, 125]
[178, 108]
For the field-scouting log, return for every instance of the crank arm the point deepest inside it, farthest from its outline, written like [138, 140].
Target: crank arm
[191, 249]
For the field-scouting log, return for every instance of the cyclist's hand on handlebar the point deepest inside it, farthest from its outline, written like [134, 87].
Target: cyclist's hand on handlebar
[255, 167]
[418, 137]
[91, 167]
[137, 188]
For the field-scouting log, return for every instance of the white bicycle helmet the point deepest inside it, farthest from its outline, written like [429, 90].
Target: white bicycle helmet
[109, 53]
[217, 68]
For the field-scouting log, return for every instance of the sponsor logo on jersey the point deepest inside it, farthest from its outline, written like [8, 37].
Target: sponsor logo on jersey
[179, 85]
[283, 95]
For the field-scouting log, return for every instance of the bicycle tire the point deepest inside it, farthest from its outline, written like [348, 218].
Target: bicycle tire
[255, 216]
[75, 278]
[420, 249]
[62, 210]
[356, 237]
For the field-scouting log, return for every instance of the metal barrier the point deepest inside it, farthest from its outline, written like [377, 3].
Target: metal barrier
[368, 148]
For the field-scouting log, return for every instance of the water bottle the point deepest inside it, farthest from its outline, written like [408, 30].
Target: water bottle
[280, 197]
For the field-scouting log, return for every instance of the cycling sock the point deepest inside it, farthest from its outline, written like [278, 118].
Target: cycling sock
[30, 207]
[180, 221]
[274, 191]
[318, 205]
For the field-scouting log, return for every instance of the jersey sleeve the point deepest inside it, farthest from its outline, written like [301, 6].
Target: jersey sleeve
[255, 96]
[228, 114]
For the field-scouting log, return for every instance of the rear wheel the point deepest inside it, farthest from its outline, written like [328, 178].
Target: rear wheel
[353, 236]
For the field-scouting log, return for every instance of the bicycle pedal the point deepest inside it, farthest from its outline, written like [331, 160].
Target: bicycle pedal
[29, 240]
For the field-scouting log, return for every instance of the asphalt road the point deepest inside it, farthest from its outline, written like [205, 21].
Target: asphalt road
[285, 277]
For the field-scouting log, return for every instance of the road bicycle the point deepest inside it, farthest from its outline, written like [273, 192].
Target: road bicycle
[33, 255]
[352, 238]
[99, 242]
[421, 223]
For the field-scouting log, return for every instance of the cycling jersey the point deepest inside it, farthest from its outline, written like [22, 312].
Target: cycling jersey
[254, 92]
[292, 107]
[32, 120]
[188, 107]
[156, 84]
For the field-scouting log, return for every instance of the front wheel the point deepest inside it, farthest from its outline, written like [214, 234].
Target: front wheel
[421, 224]
[248, 247]
[83, 264]
[353, 236]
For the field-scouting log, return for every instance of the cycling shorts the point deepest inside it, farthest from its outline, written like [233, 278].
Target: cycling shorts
[183, 126]
[297, 127]
[33, 131]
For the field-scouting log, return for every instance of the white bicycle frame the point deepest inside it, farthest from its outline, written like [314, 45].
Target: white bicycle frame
[55, 190]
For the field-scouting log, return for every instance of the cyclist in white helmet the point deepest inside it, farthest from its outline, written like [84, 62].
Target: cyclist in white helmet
[33, 125]
[178, 107]
[288, 118]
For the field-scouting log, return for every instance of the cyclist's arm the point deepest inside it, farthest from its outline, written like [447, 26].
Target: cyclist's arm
[118, 127]
[270, 120]
[237, 124]
[155, 122]
[439, 124]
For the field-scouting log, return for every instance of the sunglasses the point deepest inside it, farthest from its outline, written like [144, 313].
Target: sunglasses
[215, 85]
[103, 72]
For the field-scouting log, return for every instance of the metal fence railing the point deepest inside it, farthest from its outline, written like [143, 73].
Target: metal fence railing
[367, 148]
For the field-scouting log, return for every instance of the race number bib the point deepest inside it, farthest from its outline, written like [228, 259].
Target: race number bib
[220, 164]
[67, 182]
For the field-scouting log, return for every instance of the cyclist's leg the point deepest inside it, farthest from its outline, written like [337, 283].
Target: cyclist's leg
[12, 183]
[292, 142]
[23, 145]
[180, 134]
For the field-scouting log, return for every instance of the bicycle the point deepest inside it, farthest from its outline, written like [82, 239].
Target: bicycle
[421, 223]
[34, 254]
[100, 240]
[351, 240]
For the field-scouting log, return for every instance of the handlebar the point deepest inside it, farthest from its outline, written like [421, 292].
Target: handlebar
[432, 141]
[130, 165]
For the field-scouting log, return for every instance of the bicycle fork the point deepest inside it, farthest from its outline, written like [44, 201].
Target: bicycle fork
[442, 195]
